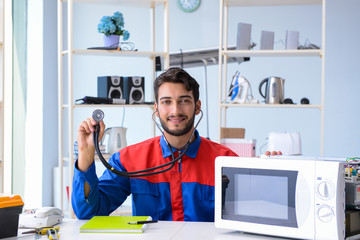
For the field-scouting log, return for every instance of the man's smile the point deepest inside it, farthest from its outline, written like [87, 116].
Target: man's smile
[176, 120]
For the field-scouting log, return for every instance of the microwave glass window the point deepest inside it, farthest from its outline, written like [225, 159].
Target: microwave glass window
[251, 202]
[260, 196]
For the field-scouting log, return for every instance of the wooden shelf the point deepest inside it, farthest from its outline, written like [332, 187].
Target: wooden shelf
[131, 3]
[66, 75]
[95, 52]
[273, 53]
[250, 3]
[261, 105]
[226, 53]
[111, 105]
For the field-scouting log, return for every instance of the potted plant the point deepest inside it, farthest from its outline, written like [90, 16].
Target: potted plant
[113, 27]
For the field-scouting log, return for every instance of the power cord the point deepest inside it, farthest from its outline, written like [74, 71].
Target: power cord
[308, 45]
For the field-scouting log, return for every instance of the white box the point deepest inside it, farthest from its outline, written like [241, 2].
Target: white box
[243, 36]
[242, 147]
[292, 39]
[267, 40]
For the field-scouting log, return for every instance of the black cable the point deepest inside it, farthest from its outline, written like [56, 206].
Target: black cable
[98, 115]
[182, 59]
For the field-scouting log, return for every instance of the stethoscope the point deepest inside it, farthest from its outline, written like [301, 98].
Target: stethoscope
[98, 115]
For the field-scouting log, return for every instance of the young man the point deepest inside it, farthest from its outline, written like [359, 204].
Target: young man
[183, 193]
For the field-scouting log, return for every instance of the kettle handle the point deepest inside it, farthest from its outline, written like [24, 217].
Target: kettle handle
[106, 132]
[260, 86]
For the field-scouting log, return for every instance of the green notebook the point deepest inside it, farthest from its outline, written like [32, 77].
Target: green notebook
[114, 224]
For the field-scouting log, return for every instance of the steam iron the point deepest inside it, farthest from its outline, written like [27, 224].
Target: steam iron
[239, 89]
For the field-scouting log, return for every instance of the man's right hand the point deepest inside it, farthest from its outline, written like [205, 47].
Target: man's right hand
[86, 142]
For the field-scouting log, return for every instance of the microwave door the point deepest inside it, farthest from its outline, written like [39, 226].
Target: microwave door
[260, 196]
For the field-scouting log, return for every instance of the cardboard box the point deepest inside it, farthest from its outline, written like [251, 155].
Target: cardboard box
[232, 133]
[10, 208]
[242, 147]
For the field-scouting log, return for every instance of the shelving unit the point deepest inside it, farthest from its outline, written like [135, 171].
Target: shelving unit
[225, 53]
[67, 121]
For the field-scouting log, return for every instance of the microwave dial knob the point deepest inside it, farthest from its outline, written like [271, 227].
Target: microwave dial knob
[325, 213]
[325, 190]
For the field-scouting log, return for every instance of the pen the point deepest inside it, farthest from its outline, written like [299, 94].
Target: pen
[142, 222]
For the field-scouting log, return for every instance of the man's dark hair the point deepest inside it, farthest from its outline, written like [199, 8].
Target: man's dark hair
[177, 75]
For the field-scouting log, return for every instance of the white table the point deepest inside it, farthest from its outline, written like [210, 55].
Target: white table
[163, 230]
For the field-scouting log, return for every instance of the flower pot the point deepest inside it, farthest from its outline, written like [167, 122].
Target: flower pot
[111, 41]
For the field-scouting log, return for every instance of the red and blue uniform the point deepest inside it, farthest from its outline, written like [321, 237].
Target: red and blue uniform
[184, 193]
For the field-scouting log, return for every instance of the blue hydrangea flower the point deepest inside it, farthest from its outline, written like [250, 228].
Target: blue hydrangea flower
[118, 19]
[126, 35]
[113, 25]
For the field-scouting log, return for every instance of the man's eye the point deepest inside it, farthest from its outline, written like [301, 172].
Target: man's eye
[166, 102]
[185, 101]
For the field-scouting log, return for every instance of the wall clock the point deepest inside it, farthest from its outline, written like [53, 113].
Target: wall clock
[189, 5]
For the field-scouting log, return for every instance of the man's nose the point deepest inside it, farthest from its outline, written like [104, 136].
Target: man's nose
[175, 108]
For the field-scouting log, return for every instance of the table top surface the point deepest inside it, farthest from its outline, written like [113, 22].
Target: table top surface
[163, 230]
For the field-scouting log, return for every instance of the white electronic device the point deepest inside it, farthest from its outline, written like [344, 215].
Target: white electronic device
[267, 40]
[294, 198]
[292, 40]
[43, 217]
[243, 41]
[240, 90]
[289, 143]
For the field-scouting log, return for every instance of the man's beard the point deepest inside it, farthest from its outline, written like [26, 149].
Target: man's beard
[179, 132]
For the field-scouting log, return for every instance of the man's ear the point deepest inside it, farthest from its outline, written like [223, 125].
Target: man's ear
[156, 109]
[198, 107]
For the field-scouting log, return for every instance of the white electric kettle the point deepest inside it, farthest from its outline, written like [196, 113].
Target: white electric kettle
[116, 139]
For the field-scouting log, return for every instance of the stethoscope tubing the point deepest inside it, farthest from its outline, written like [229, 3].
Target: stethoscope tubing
[143, 173]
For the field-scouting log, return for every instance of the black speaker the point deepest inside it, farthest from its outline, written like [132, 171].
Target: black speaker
[111, 87]
[134, 91]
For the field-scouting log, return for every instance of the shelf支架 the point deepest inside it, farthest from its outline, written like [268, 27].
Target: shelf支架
[225, 53]
[67, 106]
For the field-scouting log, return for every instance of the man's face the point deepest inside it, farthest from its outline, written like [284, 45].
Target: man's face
[176, 108]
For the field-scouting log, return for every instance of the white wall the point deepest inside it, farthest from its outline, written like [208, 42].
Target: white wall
[342, 75]
[34, 105]
[41, 99]
[200, 29]
[50, 140]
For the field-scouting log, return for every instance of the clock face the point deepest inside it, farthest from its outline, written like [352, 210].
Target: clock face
[189, 5]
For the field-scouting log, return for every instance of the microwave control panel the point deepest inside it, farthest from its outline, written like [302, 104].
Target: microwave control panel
[329, 200]
[325, 189]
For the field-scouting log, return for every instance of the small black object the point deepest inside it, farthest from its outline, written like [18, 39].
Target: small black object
[288, 101]
[93, 100]
[305, 101]
[98, 115]
[103, 48]
[158, 64]
[143, 222]
[9, 221]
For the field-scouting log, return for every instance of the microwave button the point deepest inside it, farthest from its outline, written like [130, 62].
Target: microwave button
[325, 190]
[325, 213]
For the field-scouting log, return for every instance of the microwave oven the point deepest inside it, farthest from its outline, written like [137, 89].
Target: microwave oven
[295, 198]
